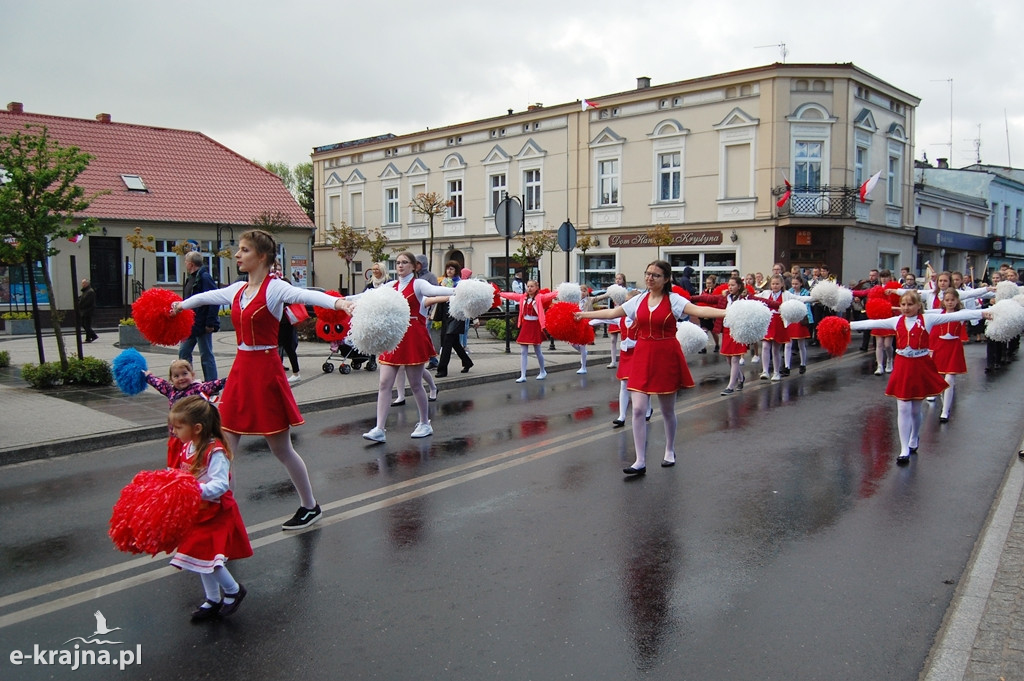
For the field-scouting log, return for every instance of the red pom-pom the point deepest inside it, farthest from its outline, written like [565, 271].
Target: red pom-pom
[332, 325]
[561, 323]
[679, 290]
[152, 314]
[878, 308]
[497, 297]
[155, 511]
[834, 335]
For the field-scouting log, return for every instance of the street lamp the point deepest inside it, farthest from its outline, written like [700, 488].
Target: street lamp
[220, 229]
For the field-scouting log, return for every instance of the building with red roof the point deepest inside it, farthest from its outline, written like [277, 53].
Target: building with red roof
[179, 187]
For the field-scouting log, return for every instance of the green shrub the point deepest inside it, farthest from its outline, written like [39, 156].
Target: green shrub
[224, 312]
[127, 322]
[86, 371]
[16, 315]
[497, 329]
[5, 358]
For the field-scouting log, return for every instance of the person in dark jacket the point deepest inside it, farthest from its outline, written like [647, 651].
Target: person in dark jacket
[86, 306]
[686, 280]
[200, 281]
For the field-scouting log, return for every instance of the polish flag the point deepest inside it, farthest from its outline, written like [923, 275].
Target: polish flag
[785, 197]
[76, 238]
[866, 188]
[587, 104]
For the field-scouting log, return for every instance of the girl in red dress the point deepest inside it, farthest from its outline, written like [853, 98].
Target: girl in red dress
[219, 534]
[258, 399]
[729, 348]
[947, 344]
[914, 376]
[531, 324]
[799, 332]
[657, 366]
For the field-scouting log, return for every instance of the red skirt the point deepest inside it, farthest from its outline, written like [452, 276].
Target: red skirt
[257, 399]
[614, 328]
[798, 331]
[777, 331]
[658, 367]
[914, 378]
[731, 348]
[218, 536]
[882, 333]
[625, 362]
[414, 348]
[530, 333]
[948, 355]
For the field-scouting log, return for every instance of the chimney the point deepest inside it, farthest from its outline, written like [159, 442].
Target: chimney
[510, 112]
[943, 163]
[643, 82]
[535, 107]
[15, 108]
[103, 117]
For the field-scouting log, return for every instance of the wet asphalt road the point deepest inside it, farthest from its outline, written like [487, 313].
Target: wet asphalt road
[785, 544]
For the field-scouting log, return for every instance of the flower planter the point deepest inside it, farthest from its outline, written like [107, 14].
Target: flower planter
[130, 337]
[226, 324]
[19, 327]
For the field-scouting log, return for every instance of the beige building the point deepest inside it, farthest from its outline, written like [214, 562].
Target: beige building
[708, 158]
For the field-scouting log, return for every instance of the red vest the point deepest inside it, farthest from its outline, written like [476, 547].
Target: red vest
[254, 325]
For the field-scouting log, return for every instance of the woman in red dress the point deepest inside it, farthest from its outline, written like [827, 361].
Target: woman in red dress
[657, 366]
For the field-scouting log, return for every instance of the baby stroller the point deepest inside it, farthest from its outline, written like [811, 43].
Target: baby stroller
[332, 326]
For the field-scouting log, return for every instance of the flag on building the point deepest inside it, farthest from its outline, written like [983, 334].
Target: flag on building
[587, 104]
[866, 188]
[786, 195]
[76, 238]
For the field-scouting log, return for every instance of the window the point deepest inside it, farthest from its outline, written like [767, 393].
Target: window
[166, 262]
[892, 179]
[608, 182]
[1017, 233]
[807, 164]
[597, 271]
[719, 264]
[996, 226]
[531, 190]
[738, 172]
[669, 176]
[391, 206]
[134, 183]
[498, 189]
[455, 196]
[860, 160]
[1007, 226]
[887, 261]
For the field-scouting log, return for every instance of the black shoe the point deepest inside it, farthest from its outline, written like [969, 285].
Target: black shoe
[784, 371]
[668, 464]
[434, 398]
[228, 609]
[635, 471]
[913, 450]
[649, 415]
[304, 517]
[202, 614]
[902, 460]
[803, 369]
[398, 403]
[618, 423]
[943, 419]
[702, 351]
[467, 367]
[441, 374]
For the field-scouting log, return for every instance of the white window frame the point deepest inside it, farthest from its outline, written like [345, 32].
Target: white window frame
[392, 213]
[672, 173]
[609, 176]
[168, 259]
[897, 143]
[497, 189]
[532, 190]
[454, 192]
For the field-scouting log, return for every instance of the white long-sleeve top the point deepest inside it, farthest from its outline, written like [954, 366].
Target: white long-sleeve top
[421, 287]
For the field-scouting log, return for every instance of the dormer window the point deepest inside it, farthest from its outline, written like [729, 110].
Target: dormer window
[134, 183]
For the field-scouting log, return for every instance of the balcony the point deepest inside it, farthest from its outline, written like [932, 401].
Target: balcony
[838, 203]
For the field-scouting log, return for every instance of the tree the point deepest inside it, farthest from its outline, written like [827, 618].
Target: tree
[283, 171]
[39, 200]
[346, 242]
[585, 242]
[532, 246]
[376, 243]
[304, 189]
[430, 204]
[139, 240]
[272, 221]
[660, 235]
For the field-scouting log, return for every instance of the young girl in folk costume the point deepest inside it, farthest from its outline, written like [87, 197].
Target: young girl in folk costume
[883, 337]
[914, 376]
[412, 353]
[614, 328]
[585, 304]
[934, 292]
[658, 366]
[711, 325]
[947, 344]
[734, 351]
[219, 534]
[182, 384]
[257, 398]
[777, 336]
[531, 324]
[799, 332]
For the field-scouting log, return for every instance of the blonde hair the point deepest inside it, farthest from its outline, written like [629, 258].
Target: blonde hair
[196, 410]
[178, 364]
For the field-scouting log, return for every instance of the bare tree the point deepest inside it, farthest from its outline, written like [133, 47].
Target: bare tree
[346, 242]
[430, 204]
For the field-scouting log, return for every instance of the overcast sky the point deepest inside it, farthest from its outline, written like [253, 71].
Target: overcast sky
[271, 79]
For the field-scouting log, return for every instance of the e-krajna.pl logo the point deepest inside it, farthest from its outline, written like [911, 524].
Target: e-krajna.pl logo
[83, 654]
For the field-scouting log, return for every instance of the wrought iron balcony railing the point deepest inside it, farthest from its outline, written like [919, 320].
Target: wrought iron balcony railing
[817, 201]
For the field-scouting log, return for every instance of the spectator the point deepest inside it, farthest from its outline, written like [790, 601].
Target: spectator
[198, 281]
[86, 307]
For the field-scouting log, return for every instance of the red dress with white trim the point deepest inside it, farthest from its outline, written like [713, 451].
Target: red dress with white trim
[947, 343]
[914, 376]
[777, 331]
[529, 326]
[626, 349]
[658, 366]
[415, 346]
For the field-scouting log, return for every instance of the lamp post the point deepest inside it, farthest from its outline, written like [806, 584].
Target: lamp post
[220, 229]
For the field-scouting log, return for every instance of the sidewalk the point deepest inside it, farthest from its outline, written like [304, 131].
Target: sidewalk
[982, 636]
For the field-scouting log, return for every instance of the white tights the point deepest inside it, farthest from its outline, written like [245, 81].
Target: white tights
[524, 353]
[883, 350]
[948, 394]
[908, 419]
[218, 581]
[641, 403]
[802, 344]
[735, 371]
[281, 446]
[388, 374]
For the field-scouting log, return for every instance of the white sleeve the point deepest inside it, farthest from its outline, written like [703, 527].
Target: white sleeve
[220, 296]
[961, 316]
[218, 473]
[633, 304]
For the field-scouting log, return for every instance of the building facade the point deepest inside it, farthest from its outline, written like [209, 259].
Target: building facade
[694, 172]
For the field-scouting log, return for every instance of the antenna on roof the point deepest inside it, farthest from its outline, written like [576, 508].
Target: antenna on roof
[1006, 122]
[782, 49]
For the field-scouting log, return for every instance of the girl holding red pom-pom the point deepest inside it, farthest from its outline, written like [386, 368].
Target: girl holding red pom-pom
[658, 366]
[889, 292]
[258, 399]
[914, 376]
[218, 534]
[531, 324]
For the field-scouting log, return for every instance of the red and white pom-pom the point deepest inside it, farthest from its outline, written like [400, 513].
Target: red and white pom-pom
[793, 311]
[472, 298]
[332, 325]
[1006, 290]
[1007, 321]
[560, 322]
[569, 292]
[379, 322]
[834, 335]
[616, 293]
[692, 339]
[152, 314]
[497, 297]
[878, 308]
[747, 321]
[155, 511]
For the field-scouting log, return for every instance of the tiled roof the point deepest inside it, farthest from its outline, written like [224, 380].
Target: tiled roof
[189, 177]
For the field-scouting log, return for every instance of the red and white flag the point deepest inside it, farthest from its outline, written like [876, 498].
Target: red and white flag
[587, 104]
[76, 238]
[785, 196]
[866, 188]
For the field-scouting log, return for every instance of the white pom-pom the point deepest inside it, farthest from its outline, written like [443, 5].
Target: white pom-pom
[1007, 321]
[1005, 290]
[472, 298]
[569, 292]
[826, 293]
[747, 321]
[845, 300]
[379, 321]
[617, 293]
[692, 339]
[793, 311]
[1019, 299]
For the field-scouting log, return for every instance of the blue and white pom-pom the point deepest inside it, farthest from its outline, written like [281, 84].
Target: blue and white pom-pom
[616, 293]
[1007, 321]
[692, 339]
[1005, 290]
[793, 311]
[747, 321]
[569, 292]
[129, 369]
[832, 295]
[472, 298]
[380, 319]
